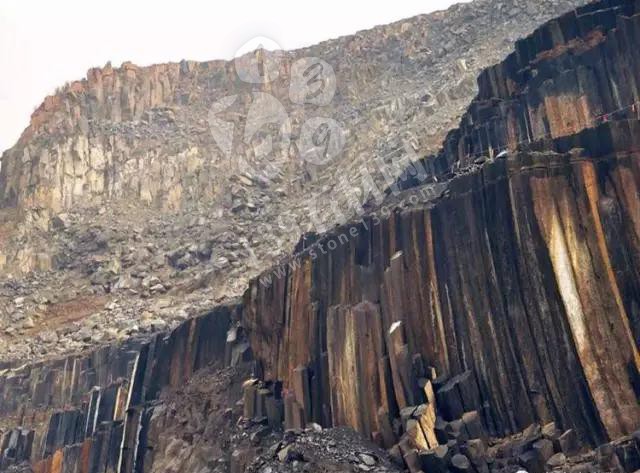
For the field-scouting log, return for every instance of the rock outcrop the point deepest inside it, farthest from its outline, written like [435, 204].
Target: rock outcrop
[143, 134]
[493, 296]
[522, 273]
[127, 158]
[132, 157]
[81, 411]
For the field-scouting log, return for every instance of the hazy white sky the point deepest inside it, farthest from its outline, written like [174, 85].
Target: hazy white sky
[44, 43]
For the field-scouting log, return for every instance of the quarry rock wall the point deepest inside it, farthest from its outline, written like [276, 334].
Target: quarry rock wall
[510, 299]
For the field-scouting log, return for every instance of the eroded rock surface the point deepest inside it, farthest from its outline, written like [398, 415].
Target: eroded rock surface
[127, 157]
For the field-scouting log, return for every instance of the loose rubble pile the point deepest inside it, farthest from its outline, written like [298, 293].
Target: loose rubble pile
[123, 272]
[428, 442]
[322, 450]
[204, 427]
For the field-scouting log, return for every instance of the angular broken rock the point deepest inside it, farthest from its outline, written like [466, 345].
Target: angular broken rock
[454, 447]
[476, 451]
[249, 388]
[406, 413]
[550, 431]
[367, 459]
[607, 458]
[456, 431]
[531, 462]
[543, 449]
[289, 454]
[416, 436]
[435, 460]
[557, 460]
[261, 433]
[425, 414]
[313, 427]
[532, 433]
[473, 426]
[460, 464]
[567, 443]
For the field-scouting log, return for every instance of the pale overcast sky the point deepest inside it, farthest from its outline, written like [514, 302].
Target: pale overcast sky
[45, 43]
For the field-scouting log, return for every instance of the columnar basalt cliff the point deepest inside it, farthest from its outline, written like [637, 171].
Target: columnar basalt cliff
[131, 158]
[91, 411]
[525, 273]
[564, 78]
[142, 133]
[507, 296]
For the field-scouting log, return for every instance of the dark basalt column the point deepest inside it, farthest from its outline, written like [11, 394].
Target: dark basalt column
[526, 275]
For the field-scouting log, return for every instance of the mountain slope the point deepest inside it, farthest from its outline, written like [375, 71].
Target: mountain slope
[122, 212]
[490, 326]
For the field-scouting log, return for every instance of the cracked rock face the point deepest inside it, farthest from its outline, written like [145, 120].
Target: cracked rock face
[143, 134]
[128, 157]
[521, 271]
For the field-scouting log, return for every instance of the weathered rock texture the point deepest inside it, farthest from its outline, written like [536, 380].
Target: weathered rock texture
[510, 299]
[126, 156]
[91, 411]
[526, 273]
[141, 133]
